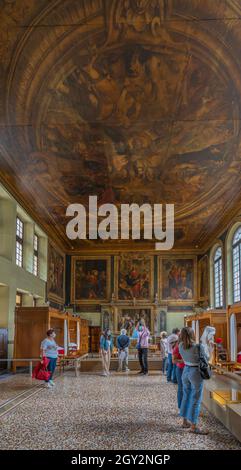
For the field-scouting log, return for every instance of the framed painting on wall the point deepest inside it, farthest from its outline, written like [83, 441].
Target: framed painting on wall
[178, 279]
[203, 278]
[56, 275]
[90, 279]
[133, 277]
[128, 318]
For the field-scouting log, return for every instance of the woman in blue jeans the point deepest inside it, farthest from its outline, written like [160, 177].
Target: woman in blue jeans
[49, 349]
[191, 380]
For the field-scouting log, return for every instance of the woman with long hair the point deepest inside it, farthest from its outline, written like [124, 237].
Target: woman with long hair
[191, 380]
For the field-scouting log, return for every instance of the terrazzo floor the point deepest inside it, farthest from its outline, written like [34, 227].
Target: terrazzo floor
[119, 412]
[12, 385]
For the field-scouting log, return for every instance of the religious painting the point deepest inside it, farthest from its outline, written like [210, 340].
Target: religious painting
[107, 318]
[177, 280]
[90, 279]
[56, 274]
[203, 278]
[128, 318]
[134, 277]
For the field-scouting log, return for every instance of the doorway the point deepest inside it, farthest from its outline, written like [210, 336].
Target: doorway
[94, 339]
[3, 347]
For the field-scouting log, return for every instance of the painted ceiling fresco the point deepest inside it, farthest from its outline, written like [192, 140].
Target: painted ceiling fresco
[130, 100]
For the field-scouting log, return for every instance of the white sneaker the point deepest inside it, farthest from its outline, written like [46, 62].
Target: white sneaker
[104, 374]
[51, 382]
[47, 385]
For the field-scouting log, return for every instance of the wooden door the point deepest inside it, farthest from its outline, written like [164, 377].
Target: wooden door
[3, 347]
[95, 332]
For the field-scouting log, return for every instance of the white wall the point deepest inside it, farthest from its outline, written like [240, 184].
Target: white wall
[175, 320]
[12, 277]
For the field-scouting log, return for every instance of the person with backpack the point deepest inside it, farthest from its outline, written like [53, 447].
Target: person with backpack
[142, 345]
[123, 342]
[194, 358]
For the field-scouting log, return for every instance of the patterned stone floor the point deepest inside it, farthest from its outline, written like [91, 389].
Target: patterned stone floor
[12, 385]
[119, 412]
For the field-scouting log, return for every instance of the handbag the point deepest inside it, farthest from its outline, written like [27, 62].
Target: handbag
[40, 371]
[204, 367]
[43, 374]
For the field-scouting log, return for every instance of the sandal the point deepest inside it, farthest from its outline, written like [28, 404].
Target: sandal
[202, 432]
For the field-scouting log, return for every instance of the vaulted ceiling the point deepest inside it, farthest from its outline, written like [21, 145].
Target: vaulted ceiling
[130, 100]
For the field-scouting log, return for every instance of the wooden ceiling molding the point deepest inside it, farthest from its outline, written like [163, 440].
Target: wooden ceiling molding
[130, 100]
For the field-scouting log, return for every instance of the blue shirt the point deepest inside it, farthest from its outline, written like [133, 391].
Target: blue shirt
[50, 348]
[105, 343]
[123, 341]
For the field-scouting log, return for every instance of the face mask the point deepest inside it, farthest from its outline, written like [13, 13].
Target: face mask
[53, 335]
[140, 328]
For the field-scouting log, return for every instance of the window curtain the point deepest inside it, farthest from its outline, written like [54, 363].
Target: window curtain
[233, 337]
[197, 331]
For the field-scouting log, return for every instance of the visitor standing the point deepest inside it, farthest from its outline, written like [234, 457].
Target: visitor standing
[177, 359]
[163, 350]
[191, 379]
[106, 346]
[123, 342]
[142, 346]
[49, 349]
[171, 369]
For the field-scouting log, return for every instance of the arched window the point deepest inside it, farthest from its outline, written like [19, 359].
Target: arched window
[237, 265]
[218, 278]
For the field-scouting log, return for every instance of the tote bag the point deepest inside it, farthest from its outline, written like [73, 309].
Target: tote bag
[204, 367]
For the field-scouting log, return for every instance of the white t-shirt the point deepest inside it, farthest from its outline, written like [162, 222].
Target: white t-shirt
[50, 348]
[170, 342]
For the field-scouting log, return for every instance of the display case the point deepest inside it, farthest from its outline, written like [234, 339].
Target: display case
[74, 333]
[214, 317]
[31, 325]
[84, 336]
[234, 332]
